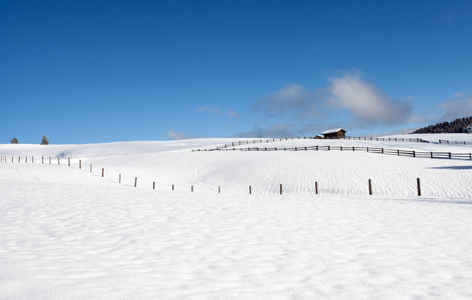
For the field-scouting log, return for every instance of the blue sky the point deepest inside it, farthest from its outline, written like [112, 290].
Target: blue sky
[102, 71]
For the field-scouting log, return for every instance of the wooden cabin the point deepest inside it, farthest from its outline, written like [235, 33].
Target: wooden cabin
[338, 133]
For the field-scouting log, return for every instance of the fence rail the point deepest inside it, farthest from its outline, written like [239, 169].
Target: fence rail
[272, 140]
[455, 142]
[414, 140]
[397, 139]
[385, 151]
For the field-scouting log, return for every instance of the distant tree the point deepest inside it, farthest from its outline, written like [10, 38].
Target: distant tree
[456, 126]
[14, 141]
[44, 141]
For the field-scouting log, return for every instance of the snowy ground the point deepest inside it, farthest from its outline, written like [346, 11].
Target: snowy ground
[66, 233]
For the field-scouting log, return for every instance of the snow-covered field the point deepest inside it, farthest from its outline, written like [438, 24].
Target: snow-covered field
[69, 233]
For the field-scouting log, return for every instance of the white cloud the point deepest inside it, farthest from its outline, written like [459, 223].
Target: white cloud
[293, 96]
[293, 99]
[177, 135]
[217, 111]
[209, 109]
[348, 101]
[366, 102]
[232, 114]
[454, 109]
[277, 130]
[396, 132]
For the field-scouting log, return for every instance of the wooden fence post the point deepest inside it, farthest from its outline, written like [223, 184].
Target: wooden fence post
[12, 159]
[80, 164]
[32, 159]
[153, 185]
[316, 187]
[450, 156]
[135, 181]
[370, 187]
[250, 190]
[49, 159]
[191, 189]
[418, 186]
[103, 172]
[19, 159]
[68, 161]
[90, 168]
[26, 159]
[119, 178]
[280, 189]
[58, 160]
[172, 186]
[219, 189]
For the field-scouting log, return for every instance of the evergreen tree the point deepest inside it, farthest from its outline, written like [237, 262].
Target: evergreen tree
[456, 126]
[44, 141]
[14, 141]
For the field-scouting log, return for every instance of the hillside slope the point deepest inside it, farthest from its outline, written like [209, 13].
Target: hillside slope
[69, 233]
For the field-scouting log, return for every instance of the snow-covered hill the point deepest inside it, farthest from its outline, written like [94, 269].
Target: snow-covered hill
[173, 163]
[67, 233]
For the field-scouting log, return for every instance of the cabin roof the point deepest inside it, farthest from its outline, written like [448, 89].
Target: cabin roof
[333, 131]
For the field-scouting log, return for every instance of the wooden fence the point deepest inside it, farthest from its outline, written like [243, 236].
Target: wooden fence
[385, 151]
[369, 190]
[272, 140]
[417, 140]
[454, 142]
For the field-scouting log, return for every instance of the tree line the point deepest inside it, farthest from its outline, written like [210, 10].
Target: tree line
[456, 126]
